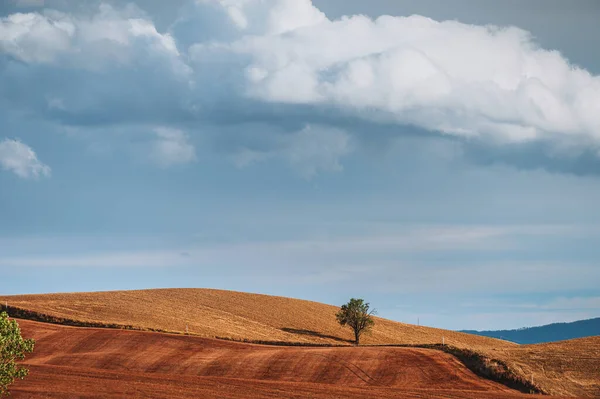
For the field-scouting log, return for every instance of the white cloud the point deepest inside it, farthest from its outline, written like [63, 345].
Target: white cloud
[21, 160]
[270, 17]
[105, 38]
[491, 83]
[34, 38]
[171, 147]
[286, 58]
[459, 79]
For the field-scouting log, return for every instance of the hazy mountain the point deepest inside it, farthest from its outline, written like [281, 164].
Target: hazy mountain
[547, 333]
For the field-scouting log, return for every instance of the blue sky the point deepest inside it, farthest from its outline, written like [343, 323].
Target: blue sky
[440, 159]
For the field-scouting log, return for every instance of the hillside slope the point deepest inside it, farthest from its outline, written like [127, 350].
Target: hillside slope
[547, 333]
[236, 315]
[563, 368]
[75, 361]
[569, 368]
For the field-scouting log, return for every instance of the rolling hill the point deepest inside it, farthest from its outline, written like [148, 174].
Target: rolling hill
[233, 315]
[548, 333]
[570, 368]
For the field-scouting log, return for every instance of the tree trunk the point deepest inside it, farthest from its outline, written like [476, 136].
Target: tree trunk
[356, 337]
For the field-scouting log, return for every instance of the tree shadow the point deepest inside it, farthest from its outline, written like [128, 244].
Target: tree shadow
[316, 334]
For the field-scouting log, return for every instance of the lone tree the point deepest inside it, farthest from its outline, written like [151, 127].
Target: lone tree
[356, 315]
[12, 348]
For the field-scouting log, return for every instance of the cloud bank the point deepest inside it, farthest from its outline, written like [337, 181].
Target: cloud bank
[276, 61]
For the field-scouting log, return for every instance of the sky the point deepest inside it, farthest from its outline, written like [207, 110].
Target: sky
[440, 159]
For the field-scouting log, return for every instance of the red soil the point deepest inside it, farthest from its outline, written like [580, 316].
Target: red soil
[73, 362]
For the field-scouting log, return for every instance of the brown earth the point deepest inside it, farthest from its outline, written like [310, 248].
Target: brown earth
[107, 363]
[569, 368]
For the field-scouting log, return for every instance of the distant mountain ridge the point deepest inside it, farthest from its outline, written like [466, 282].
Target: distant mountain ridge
[548, 333]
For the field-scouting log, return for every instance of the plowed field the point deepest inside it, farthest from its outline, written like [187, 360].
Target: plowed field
[103, 363]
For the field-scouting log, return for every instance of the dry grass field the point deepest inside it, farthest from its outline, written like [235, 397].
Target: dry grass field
[568, 368]
[235, 315]
[564, 368]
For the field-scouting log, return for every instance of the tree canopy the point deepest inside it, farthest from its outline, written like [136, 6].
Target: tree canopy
[356, 315]
[12, 349]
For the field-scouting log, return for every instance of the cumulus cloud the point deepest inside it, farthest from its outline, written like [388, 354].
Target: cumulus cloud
[106, 37]
[463, 80]
[171, 147]
[272, 60]
[21, 160]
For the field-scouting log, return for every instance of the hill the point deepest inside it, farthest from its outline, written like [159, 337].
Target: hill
[547, 333]
[233, 315]
[570, 368]
[74, 361]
